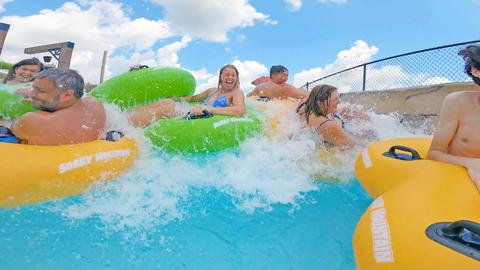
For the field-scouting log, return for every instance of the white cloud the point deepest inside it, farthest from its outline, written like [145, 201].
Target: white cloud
[168, 55]
[2, 4]
[359, 53]
[94, 26]
[293, 5]
[98, 25]
[379, 76]
[339, 2]
[249, 71]
[436, 80]
[211, 20]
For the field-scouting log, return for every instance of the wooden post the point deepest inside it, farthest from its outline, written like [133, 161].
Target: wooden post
[104, 62]
[65, 56]
[61, 51]
[3, 34]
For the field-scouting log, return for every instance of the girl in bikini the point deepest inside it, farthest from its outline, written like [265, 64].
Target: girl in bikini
[320, 112]
[225, 99]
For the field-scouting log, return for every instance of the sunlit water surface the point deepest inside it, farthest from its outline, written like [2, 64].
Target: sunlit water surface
[279, 201]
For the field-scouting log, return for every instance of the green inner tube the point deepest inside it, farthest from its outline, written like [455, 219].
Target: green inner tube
[5, 65]
[145, 86]
[10, 105]
[202, 135]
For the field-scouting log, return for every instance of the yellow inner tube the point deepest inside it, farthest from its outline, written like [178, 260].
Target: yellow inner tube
[32, 174]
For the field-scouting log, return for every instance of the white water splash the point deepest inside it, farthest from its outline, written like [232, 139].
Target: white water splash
[276, 167]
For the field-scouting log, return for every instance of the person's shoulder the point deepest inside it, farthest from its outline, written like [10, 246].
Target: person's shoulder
[331, 124]
[329, 127]
[91, 102]
[237, 91]
[266, 85]
[315, 121]
[90, 99]
[463, 94]
[30, 119]
[461, 98]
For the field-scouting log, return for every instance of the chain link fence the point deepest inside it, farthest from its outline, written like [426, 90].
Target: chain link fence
[420, 68]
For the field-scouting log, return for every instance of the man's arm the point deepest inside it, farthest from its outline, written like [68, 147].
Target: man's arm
[254, 92]
[30, 128]
[199, 97]
[293, 92]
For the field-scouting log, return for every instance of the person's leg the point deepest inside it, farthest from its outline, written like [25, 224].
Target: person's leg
[143, 116]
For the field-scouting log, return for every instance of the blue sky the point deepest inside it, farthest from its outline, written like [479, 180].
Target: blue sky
[311, 37]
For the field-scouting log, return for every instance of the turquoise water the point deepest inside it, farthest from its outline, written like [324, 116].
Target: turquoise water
[316, 233]
[255, 207]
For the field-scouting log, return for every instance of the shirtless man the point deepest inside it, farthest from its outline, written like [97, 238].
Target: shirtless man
[64, 117]
[278, 87]
[457, 138]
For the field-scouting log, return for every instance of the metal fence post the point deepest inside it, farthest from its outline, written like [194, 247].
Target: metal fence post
[364, 76]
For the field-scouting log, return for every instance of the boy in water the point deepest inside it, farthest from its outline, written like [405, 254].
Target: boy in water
[278, 87]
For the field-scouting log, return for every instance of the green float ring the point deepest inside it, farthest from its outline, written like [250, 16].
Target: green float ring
[202, 135]
[11, 106]
[5, 65]
[145, 86]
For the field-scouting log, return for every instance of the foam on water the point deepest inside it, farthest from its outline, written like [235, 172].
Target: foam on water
[276, 167]
[255, 207]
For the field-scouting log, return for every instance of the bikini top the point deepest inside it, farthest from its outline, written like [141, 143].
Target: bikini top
[336, 117]
[220, 101]
[327, 143]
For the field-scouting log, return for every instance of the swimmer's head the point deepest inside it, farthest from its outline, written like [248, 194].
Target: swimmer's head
[471, 55]
[278, 69]
[323, 99]
[24, 71]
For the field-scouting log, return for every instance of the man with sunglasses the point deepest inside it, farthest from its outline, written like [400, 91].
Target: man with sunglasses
[278, 87]
[457, 137]
[65, 116]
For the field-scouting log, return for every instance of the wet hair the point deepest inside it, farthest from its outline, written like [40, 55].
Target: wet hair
[319, 100]
[64, 80]
[277, 69]
[24, 62]
[237, 82]
[471, 55]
